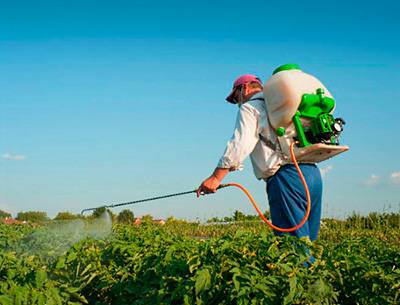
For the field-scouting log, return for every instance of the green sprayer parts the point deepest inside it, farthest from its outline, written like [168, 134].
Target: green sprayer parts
[322, 127]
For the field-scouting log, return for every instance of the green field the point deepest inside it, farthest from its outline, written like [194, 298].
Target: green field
[357, 262]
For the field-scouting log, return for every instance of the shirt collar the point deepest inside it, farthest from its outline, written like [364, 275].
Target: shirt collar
[257, 96]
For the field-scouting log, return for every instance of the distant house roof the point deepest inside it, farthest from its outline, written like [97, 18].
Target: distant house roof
[159, 221]
[11, 221]
[138, 221]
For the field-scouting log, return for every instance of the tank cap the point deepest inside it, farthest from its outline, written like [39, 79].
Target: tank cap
[280, 132]
[286, 67]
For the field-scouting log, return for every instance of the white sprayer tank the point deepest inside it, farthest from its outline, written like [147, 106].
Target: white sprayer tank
[282, 93]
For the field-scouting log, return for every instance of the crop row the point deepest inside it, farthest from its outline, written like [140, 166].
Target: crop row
[241, 264]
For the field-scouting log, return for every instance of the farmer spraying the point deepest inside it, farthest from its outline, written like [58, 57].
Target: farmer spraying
[268, 146]
[281, 124]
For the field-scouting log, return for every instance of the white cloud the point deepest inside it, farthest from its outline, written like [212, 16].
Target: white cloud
[373, 180]
[9, 156]
[325, 170]
[395, 177]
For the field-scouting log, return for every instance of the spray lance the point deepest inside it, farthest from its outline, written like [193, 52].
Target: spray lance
[227, 185]
[144, 200]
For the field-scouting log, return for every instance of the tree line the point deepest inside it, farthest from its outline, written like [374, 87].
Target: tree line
[371, 221]
[125, 216]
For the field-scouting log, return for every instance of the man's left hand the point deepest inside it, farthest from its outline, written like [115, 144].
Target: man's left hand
[208, 186]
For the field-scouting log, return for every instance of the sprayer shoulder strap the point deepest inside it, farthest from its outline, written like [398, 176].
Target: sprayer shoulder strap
[268, 142]
[274, 145]
[265, 140]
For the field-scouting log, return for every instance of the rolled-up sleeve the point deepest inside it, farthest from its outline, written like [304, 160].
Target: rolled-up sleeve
[243, 141]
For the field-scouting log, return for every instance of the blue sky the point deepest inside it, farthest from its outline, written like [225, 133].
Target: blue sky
[113, 101]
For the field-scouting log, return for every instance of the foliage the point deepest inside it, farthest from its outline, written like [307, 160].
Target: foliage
[33, 216]
[147, 219]
[238, 216]
[126, 216]
[100, 212]
[66, 216]
[4, 214]
[191, 263]
[374, 221]
[12, 234]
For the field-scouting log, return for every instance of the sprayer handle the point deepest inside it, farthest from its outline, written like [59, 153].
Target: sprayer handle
[221, 186]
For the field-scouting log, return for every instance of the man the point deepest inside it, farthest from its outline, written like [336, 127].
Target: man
[254, 136]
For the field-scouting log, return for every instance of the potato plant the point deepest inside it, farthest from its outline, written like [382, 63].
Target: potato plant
[183, 263]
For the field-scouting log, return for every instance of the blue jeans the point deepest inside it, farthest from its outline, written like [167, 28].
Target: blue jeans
[288, 201]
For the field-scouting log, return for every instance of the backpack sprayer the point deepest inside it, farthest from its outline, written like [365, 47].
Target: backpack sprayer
[300, 111]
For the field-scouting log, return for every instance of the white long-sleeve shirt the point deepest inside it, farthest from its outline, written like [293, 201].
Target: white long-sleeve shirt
[254, 136]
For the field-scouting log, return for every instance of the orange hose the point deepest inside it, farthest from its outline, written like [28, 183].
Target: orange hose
[302, 222]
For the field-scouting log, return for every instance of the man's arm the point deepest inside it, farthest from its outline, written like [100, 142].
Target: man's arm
[242, 143]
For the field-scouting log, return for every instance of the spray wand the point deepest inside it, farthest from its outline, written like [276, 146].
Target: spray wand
[144, 200]
[299, 225]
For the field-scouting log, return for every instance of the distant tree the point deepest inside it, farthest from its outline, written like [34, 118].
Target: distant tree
[100, 211]
[238, 216]
[66, 216]
[147, 219]
[172, 220]
[4, 214]
[32, 216]
[126, 216]
[213, 219]
[227, 219]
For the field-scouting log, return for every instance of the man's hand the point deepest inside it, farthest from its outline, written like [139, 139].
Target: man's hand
[211, 184]
[208, 186]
